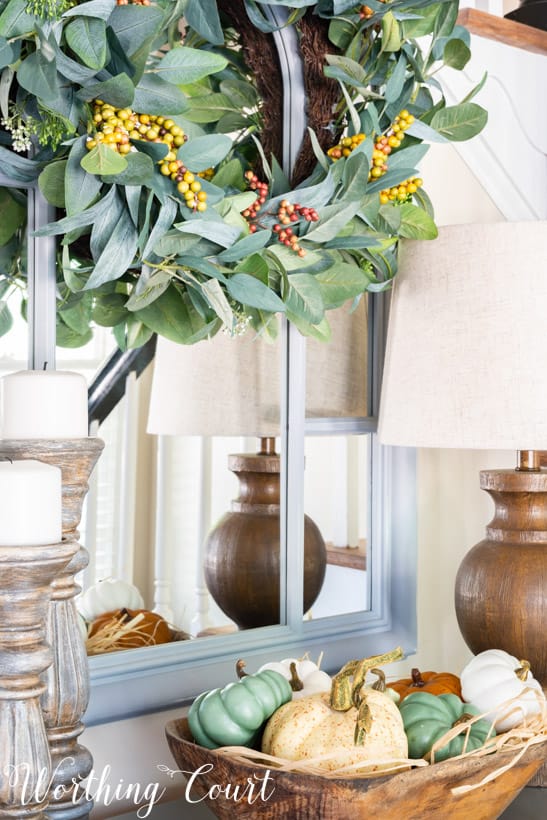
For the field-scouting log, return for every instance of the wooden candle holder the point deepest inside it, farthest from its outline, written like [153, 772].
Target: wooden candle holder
[66, 693]
[25, 762]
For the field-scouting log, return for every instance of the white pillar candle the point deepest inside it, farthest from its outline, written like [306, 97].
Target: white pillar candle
[30, 503]
[44, 404]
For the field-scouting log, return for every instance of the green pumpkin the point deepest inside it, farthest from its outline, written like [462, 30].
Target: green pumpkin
[233, 716]
[428, 717]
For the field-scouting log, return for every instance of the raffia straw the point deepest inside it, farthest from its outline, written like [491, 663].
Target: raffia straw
[531, 731]
[110, 636]
[368, 768]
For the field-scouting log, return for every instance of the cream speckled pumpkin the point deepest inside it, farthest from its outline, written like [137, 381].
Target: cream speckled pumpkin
[308, 728]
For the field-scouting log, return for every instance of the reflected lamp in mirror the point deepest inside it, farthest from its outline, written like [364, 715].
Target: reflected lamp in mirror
[466, 367]
[231, 387]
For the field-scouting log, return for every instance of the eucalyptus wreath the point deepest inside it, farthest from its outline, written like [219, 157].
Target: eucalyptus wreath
[154, 127]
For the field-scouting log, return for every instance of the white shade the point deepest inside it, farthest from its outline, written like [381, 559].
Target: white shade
[231, 386]
[466, 360]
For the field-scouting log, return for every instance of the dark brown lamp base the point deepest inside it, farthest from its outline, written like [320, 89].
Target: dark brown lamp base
[242, 565]
[501, 586]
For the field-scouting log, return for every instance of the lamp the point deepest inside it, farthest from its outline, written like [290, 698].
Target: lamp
[231, 387]
[466, 367]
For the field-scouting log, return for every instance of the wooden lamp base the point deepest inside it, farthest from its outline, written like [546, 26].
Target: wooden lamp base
[242, 558]
[501, 586]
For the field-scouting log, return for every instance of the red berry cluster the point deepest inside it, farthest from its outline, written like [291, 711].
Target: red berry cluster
[288, 213]
[262, 190]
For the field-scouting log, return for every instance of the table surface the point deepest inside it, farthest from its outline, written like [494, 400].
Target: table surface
[530, 804]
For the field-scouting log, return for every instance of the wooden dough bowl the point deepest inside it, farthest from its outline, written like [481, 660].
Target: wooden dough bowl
[420, 794]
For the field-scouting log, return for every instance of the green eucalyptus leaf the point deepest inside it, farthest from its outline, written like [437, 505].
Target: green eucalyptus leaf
[81, 188]
[172, 315]
[156, 96]
[304, 297]
[423, 24]
[251, 291]
[6, 319]
[416, 223]
[118, 91]
[139, 170]
[460, 122]
[8, 52]
[204, 152]
[86, 36]
[104, 225]
[148, 290]
[162, 224]
[188, 65]
[78, 220]
[135, 25]
[422, 131]
[52, 183]
[209, 107]
[65, 336]
[100, 9]
[218, 232]
[118, 253]
[13, 215]
[341, 282]
[474, 91]
[103, 160]
[202, 15]
[395, 83]
[333, 219]
[15, 21]
[38, 75]
[76, 313]
[391, 33]
[249, 244]
[230, 174]
[216, 297]
[109, 309]
[456, 54]
[446, 19]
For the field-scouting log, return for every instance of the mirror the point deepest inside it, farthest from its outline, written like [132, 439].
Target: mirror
[205, 521]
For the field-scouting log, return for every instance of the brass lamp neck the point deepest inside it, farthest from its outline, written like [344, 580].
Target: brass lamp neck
[528, 460]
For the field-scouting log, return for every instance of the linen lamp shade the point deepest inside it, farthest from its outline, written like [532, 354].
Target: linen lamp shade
[466, 367]
[466, 359]
[231, 386]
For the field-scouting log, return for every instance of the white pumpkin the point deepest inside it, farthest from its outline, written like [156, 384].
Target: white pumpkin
[309, 728]
[493, 677]
[306, 673]
[106, 596]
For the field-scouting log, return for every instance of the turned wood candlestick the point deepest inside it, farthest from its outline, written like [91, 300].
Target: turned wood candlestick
[25, 761]
[66, 692]
[242, 553]
[501, 584]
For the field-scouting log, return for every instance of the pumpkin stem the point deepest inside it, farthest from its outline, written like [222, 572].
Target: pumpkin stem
[240, 669]
[344, 693]
[363, 723]
[380, 684]
[295, 682]
[417, 679]
[463, 719]
[523, 670]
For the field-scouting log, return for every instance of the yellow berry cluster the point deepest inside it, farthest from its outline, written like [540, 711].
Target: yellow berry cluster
[115, 127]
[387, 142]
[345, 146]
[401, 192]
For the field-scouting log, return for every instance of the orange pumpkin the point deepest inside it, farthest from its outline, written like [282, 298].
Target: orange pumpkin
[127, 629]
[436, 683]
